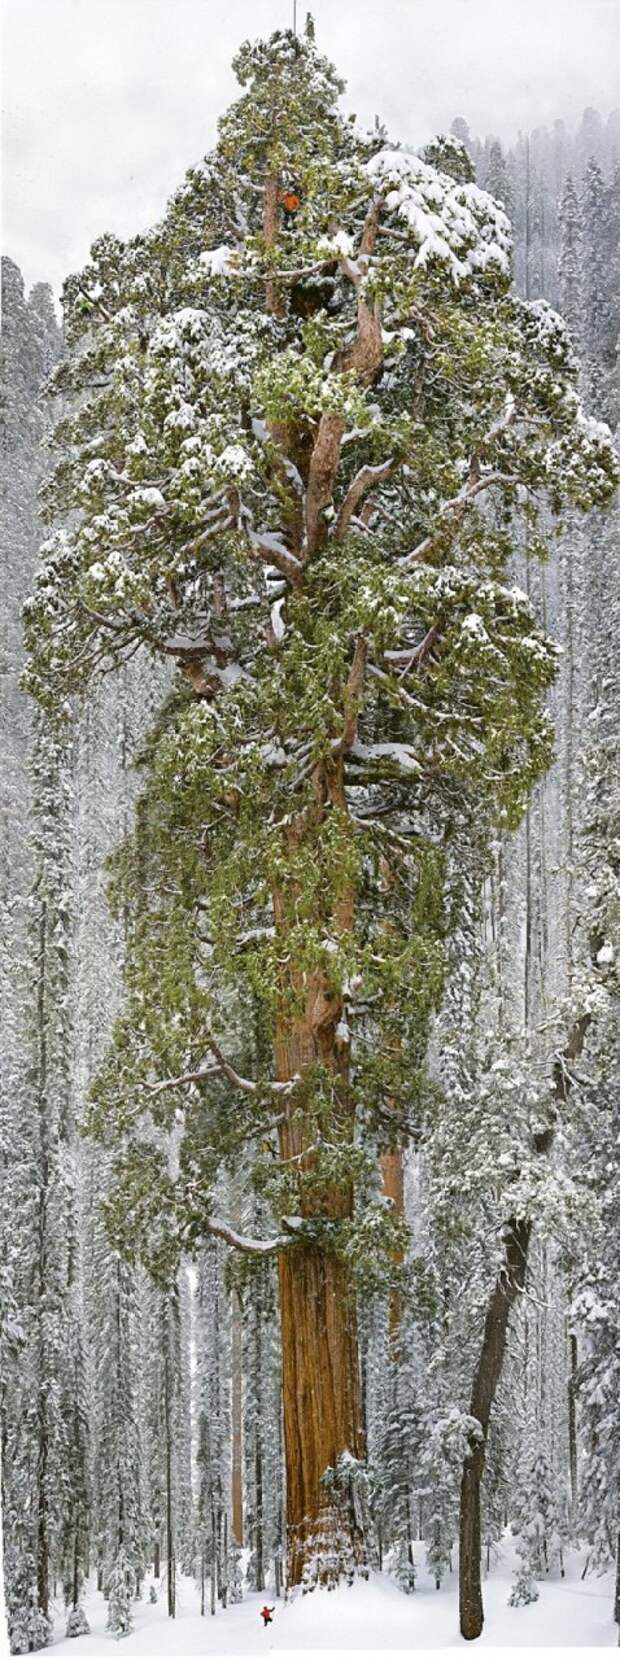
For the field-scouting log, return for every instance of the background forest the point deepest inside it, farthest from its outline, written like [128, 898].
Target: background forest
[140, 1412]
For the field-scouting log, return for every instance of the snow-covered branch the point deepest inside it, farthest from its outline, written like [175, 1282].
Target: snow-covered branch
[241, 1242]
[273, 551]
[200, 1074]
[366, 479]
[457, 505]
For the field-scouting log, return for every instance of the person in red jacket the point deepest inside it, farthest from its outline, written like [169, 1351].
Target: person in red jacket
[267, 1614]
[291, 203]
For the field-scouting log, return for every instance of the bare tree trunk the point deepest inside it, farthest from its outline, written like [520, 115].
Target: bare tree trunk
[171, 1560]
[258, 1535]
[509, 1284]
[42, 1499]
[617, 1591]
[213, 1563]
[322, 1409]
[320, 1359]
[224, 1560]
[393, 1173]
[237, 1421]
[572, 1419]
[486, 1379]
[274, 293]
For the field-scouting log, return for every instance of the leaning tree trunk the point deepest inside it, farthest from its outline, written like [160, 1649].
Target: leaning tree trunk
[508, 1285]
[488, 1372]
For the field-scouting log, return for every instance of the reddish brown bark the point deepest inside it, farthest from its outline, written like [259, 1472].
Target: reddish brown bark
[393, 1175]
[322, 1409]
[320, 1368]
[320, 1362]
[274, 298]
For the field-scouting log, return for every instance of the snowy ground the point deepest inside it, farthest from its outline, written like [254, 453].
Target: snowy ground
[570, 1613]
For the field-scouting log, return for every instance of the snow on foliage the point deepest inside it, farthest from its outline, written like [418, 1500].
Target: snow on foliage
[456, 223]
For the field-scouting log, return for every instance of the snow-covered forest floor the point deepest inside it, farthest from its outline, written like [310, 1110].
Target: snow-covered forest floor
[570, 1613]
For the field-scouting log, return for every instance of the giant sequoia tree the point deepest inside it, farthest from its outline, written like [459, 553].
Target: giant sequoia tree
[299, 446]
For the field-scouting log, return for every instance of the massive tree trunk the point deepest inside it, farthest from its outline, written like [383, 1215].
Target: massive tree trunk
[320, 1362]
[322, 1414]
[320, 1357]
[487, 1375]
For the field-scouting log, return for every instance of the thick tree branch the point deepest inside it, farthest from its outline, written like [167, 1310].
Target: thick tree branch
[293, 1227]
[251, 1247]
[366, 479]
[200, 1074]
[352, 696]
[457, 506]
[272, 551]
[321, 475]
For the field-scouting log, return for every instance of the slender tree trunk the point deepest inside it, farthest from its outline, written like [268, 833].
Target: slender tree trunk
[258, 1547]
[224, 1560]
[410, 1552]
[237, 1422]
[274, 292]
[42, 1531]
[509, 1284]
[617, 1591]
[171, 1574]
[393, 1173]
[213, 1563]
[486, 1379]
[75, 1589]
[572, 1419]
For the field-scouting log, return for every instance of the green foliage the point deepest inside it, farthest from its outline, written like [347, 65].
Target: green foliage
[276, 473]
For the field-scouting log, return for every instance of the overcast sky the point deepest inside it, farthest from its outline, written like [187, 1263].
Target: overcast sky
[107, 102]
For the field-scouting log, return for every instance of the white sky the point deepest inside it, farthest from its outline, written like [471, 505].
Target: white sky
[107, 102]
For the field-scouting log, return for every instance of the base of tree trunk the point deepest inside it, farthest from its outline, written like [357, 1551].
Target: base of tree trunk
[323, 1433]
[328, 1549]
[470, 1590]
